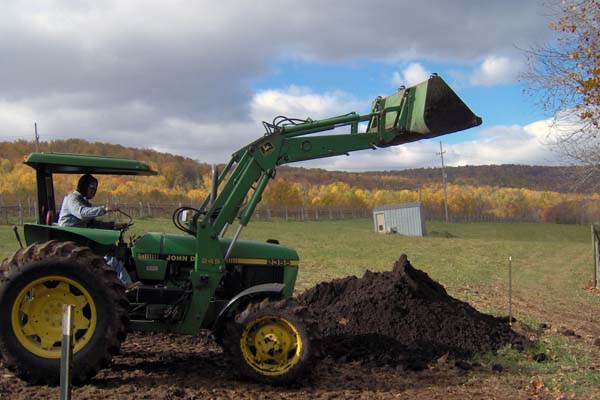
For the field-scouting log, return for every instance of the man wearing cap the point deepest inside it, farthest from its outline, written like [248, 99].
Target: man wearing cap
[76, 209]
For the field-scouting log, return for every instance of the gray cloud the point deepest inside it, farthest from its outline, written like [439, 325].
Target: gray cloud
[125, 71]
[460, 30]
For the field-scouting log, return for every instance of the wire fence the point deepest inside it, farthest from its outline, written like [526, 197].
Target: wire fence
[306, 213]
[16, 214]
[26, 213]
[20, 213]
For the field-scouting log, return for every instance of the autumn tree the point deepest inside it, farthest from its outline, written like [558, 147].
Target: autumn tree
[282, 193]
[565, 77]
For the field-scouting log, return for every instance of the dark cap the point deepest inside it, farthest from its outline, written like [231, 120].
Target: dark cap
[84, 183]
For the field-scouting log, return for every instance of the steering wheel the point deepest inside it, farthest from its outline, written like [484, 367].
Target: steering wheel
[128, 224]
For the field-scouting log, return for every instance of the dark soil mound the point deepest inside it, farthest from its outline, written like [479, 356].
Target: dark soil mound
[400, 318]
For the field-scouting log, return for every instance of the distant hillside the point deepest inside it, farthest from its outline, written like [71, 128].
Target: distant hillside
[188, 173]
[177, 170]
[557, 179]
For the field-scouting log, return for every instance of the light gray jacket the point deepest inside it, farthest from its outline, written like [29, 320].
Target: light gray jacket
[77, 211]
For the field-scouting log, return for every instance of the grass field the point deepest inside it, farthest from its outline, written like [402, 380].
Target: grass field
[552, 267]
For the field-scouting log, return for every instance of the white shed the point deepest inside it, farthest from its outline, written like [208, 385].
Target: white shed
[405, 219]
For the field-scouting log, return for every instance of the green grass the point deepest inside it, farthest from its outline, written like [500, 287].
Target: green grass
[569, 368]
[476, 256]
[550, 262]
[551, 266]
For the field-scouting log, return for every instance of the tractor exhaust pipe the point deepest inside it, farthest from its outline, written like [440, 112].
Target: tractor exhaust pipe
[214, 183]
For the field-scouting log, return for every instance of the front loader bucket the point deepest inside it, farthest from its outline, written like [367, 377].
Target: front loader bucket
[423, 111]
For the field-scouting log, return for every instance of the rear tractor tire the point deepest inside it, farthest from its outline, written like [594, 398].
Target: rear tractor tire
[34, 284]
[272, 342]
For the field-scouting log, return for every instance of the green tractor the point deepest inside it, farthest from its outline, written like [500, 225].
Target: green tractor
[239, 290]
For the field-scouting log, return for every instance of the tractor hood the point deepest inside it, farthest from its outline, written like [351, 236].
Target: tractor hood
[177, 247]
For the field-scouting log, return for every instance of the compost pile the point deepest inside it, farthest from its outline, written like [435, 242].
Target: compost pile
[401, 318]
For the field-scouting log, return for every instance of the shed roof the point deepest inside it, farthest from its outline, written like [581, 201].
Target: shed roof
[397, 206]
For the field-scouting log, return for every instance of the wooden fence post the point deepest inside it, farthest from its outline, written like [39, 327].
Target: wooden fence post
[596, 253]
[510, 290]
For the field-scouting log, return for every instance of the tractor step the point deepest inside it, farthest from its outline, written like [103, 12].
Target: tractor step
[157, 295]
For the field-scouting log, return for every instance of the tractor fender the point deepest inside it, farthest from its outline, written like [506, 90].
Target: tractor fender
[270, 290]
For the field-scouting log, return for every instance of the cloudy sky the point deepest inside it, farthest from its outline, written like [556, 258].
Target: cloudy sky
[196, 78]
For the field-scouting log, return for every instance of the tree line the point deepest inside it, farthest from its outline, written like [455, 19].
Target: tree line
[186, 181]
[465, 202]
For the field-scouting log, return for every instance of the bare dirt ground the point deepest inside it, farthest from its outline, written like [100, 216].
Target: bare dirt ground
[369, 352]
[159, 366]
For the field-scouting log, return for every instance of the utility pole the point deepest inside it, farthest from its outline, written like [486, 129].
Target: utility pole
[37, 139]
[441, 153]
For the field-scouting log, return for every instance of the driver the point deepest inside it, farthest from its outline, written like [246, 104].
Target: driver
[76, 209]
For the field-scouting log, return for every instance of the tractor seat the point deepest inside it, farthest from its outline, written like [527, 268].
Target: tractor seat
[50, 218]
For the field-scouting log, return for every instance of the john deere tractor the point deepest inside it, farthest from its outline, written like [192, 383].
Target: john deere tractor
[201, 279]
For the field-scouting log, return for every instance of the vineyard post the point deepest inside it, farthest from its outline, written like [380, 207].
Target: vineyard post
[510, 290]
[594, 253]
[66, 352]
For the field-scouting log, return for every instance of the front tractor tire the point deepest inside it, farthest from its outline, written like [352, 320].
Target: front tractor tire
[271, 342]
[35, 283]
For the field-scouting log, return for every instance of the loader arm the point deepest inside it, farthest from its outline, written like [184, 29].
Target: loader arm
[426, 110]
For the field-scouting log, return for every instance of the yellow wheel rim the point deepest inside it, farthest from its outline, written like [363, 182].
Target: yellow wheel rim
[271, 345]
[37, 315]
